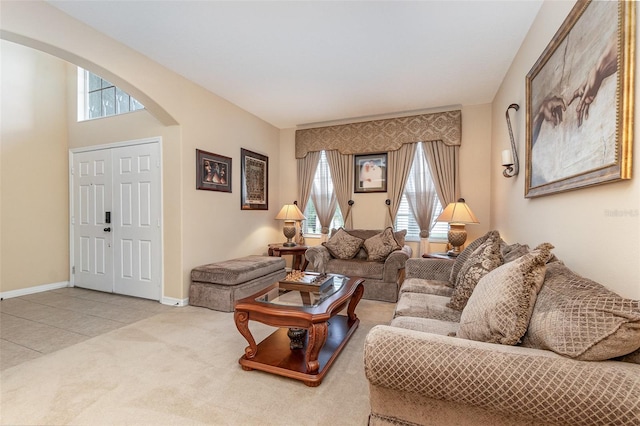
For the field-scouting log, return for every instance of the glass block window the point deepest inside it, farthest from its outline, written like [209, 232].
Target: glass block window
[98, 97]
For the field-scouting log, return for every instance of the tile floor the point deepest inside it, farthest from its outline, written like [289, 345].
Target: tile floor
[41, 323]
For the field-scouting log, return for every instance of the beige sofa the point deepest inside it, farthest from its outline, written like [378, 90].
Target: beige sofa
[383, 275]
[421, 371]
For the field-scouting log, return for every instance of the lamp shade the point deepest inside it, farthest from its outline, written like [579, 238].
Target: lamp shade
[290, 212]
[458, 212]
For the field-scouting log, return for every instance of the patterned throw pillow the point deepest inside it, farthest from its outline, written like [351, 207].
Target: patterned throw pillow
[381, 245]
[463, 256]
[484, 259]
[581, 319]
[343, 245]
[499, 309]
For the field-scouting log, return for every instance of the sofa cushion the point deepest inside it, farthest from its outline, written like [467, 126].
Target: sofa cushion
[511, 252]
[343, 245]
[420, 285]
[426, 325]
[426, 306]
[581, 319]
[237, 271]
[483, 260]
[356, 268]
[381, 245]
[368, 233]
[499, 309]
[463, 256]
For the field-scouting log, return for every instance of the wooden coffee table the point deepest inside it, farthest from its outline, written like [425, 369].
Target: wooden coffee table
[288, 351]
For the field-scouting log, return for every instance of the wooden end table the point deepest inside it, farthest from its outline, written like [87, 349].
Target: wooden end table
[288, 351]
[299, 261]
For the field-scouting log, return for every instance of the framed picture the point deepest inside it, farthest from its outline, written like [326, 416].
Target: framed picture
[580, 101]
[370, 173]
[255, 181]
[213, 171]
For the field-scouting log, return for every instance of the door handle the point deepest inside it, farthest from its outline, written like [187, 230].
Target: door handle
[107, 229]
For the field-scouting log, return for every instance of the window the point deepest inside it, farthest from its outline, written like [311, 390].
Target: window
[405, 218]
[312, 224]
[99, 98]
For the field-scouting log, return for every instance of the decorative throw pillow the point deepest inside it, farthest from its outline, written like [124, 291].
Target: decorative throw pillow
[579, 318]
[499, 309]
[381, 245]
[343, 245]
[463, 256]
[483, 260]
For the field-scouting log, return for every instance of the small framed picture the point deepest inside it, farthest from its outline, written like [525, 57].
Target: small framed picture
[213, 171]
[254, 188]
[370, 173]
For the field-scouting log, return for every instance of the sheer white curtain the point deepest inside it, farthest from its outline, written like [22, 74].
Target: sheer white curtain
[306, 169]
[324, 199]
[420, 192]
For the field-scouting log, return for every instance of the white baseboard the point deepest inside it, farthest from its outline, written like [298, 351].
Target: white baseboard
[30, 290]
[174, 302]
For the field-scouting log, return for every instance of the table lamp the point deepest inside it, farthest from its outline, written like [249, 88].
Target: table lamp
[457, 214]
[290, 213]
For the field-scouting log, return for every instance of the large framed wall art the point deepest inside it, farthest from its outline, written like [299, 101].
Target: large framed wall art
[255, 181]
[580, 101]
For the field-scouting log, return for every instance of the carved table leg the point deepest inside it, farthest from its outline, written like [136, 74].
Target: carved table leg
[316, 340]
[355, 299]
[242, 324]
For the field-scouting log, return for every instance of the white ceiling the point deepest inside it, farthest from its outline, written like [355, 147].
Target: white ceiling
[301, 62]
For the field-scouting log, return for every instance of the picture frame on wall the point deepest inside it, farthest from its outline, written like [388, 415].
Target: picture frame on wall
[254, 188]
[213, 171]
[579, 98]
[370, 173]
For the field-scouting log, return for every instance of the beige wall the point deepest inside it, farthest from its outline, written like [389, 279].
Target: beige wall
[199, 226]
[370, 210]
[599, 246]
[35, 231]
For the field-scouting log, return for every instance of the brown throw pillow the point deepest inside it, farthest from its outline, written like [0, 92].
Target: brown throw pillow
[484, 259]
[579, 318]
[343, 245]
[381, 245]
[499, 309]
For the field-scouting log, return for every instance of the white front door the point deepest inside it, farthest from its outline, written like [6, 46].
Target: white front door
[136, 220]
[93, 254]
[123, 256]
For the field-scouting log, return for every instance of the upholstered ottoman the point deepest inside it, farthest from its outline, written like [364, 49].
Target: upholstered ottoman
[218, 285]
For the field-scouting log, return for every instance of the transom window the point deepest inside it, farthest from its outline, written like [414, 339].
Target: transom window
[98, 97]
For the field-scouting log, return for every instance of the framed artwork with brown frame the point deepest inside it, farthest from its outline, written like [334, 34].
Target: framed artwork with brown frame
[370, 172]
[580, 96]
[213, 171]
[254, 176]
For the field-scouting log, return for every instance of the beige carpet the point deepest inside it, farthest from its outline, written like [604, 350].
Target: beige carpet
[181, 368]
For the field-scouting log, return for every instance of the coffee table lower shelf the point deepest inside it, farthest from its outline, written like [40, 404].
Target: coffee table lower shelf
[275, 356]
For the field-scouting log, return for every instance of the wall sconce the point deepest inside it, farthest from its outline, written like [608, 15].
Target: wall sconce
[510, 157]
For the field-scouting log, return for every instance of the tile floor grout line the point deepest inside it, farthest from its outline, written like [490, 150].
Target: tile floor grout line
[21, 345]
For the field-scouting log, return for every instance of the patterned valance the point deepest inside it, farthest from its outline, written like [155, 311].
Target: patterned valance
[381, 135]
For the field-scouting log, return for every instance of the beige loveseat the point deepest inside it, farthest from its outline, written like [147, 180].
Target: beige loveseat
[378, 256]
[578, 362]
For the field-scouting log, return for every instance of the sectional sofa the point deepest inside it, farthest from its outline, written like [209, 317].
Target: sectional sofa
[529, 343]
